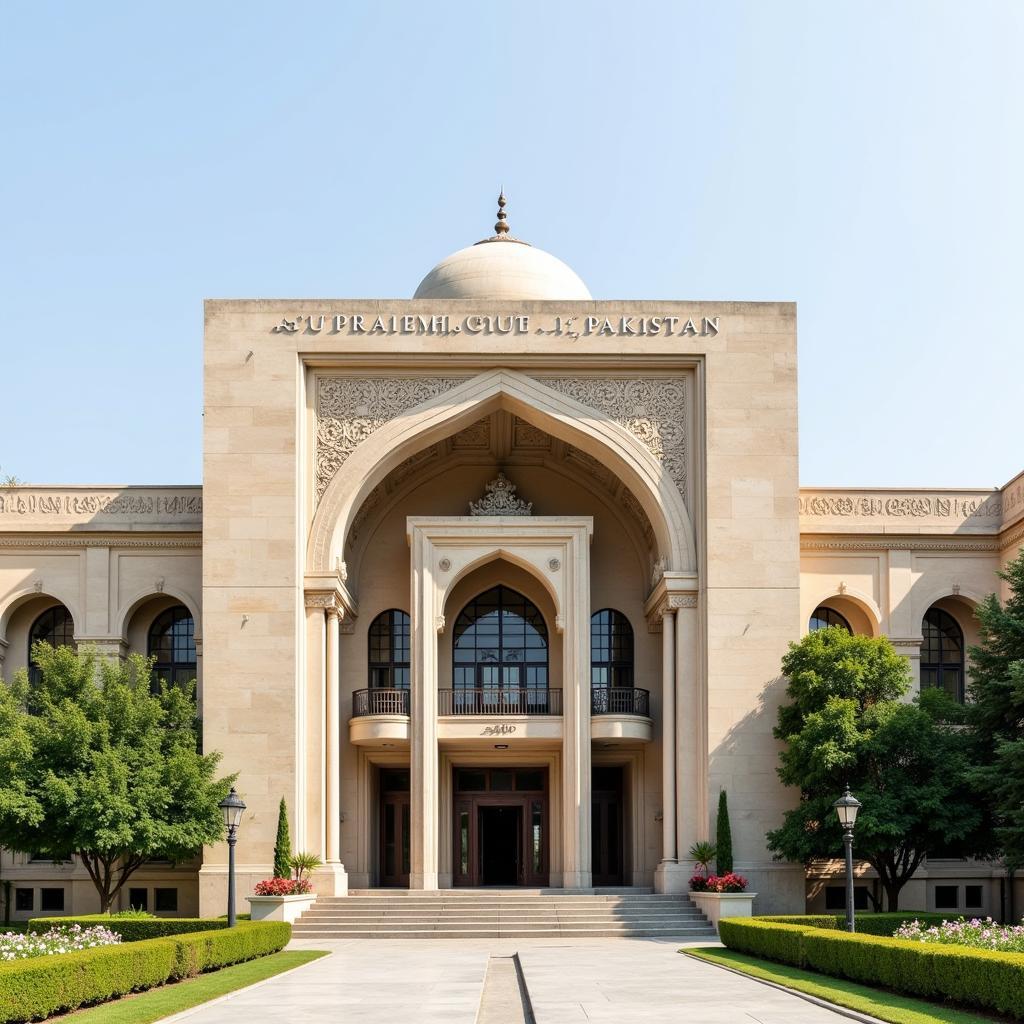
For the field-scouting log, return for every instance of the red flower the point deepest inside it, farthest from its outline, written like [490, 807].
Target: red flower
[282, 887]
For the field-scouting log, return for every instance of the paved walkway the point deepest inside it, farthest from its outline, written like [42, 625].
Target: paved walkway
[628, 981]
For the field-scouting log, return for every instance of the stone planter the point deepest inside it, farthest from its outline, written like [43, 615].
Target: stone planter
[716, 905]
[280, 908]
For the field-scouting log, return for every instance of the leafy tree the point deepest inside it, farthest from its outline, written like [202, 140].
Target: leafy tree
[996, 711]
[282, 845]
[908, 763]
[99, 764]
[723, 837]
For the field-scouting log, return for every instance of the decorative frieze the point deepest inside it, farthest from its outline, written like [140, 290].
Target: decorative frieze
[350, 409]
[652, 409]
[974, 509]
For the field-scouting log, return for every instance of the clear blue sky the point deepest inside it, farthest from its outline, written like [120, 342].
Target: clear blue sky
[863, 159]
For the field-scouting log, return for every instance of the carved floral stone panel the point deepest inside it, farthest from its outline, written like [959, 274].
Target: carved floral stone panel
[653, 409]
[350, 409]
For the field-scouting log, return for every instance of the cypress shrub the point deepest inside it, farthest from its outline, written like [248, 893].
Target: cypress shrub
[723, 839]
[282, 845]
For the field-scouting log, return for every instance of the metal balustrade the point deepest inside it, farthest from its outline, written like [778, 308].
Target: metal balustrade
[500, 700]
[380, 702]
[620, 700]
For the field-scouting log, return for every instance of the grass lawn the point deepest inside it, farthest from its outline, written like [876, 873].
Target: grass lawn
[161, 1002]
[875, 1002]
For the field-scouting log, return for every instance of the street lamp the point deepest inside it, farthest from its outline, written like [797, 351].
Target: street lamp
[231, 807]
[847, 807]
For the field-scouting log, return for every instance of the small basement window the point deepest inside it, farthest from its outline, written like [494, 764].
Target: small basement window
[165, 901]
[24, 899]
[947, 897]
[973, 896]
[138, 899]
[835, 897]
[51, 899]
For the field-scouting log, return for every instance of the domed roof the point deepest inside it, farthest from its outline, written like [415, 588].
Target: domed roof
[502, 267]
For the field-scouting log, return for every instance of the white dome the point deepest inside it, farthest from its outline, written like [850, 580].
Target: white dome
[502, 268]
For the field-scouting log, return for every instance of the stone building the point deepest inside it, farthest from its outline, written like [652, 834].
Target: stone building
[492, 585]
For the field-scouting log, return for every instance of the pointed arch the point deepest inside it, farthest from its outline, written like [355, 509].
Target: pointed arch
[531, 400]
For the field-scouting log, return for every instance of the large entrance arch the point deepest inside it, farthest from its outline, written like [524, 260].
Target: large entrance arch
[531, 400]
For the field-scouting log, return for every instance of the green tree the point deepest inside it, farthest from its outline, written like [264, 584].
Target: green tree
[282, 845]
[723, 837]
[101, 762]
[908, 763]
[996, 712]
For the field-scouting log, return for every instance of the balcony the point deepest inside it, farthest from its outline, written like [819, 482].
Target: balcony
[620, 700]
[620, 714]
[380, 717]
[496, 700]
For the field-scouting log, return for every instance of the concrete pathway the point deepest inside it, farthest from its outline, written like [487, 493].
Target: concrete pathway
[626, 981]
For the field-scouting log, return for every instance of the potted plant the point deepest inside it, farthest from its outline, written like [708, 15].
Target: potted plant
[718, 896]
[286, 899]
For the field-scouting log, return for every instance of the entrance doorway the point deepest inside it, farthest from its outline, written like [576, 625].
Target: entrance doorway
[501, 843]
[606, 826]
[394, 827]
[501, 826]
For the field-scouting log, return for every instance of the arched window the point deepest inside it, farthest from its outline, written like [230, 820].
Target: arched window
[389, 651]
[500, 651]
[611, 650]
[823, 616]
[172, 642]
[55, 627]
[942, 653]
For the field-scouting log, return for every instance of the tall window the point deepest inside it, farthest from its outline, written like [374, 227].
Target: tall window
[500, 642]
[55, 627]
[172, 642]
[823, 616]
[611, 649]
[942, 653]
[389, 651]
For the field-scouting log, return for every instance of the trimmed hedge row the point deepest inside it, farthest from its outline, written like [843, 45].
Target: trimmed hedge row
[867, 923]
[36, 988]
[970, 977]
[132, 929]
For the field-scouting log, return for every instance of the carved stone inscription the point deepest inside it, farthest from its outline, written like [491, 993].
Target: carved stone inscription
[906, 506]
[18, 502]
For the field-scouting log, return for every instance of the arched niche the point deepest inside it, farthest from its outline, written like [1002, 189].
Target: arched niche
[586, 428]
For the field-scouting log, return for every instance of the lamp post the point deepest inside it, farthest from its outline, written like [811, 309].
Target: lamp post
[847, 807]
[231, 807]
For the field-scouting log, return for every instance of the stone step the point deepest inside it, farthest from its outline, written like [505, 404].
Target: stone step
[458, 915]
[602, 892]
[704, 931]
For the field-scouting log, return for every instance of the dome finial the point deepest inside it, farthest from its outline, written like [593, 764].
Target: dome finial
[501, 228]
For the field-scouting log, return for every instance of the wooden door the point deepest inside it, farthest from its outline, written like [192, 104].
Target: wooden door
[394, 829]
[606, 826]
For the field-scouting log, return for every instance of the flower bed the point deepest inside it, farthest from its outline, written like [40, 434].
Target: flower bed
[36, 988]
[718, 883]
[975, 934]
[283, 887]
[970, 977]
[62, 939]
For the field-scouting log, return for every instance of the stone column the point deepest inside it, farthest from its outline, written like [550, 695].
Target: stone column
[691, 714]
[426, 619]
[332, 718]
[668, 738]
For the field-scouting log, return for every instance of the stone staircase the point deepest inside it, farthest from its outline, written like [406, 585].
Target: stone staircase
[510, 913]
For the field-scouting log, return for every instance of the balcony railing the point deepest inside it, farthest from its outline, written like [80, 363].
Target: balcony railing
[380, 702]
[620, 700]
[496, 700]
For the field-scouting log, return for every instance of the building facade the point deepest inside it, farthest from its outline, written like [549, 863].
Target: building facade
[492, 585]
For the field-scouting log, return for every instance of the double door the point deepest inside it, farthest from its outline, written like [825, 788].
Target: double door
[395, 829]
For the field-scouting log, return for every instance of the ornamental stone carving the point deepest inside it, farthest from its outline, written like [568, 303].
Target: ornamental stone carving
[501, 500]
[350, 409]
[652, 409]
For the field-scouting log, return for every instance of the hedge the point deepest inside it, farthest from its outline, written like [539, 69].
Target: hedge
[969, 977]
[38, 987]
[867, 924]
[132, 929]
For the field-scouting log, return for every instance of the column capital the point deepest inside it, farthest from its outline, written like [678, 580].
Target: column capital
[672, 591]
[330, 593]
